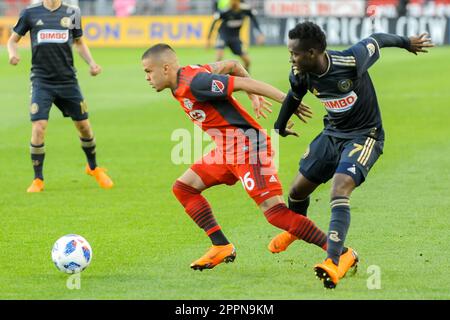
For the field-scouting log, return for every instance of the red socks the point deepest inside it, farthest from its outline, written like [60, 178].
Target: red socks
[279, 215]
[196, 206]
[300, 226]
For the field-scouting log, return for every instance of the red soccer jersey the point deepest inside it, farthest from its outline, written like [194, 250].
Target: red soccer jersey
[207, 100]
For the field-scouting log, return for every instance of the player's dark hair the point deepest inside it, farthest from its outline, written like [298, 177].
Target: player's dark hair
[310, 35]
[157, 49]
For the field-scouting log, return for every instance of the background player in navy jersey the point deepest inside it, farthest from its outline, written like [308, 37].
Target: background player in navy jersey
[243, 150]
[353, 137]
[229, 30]
[53, 28]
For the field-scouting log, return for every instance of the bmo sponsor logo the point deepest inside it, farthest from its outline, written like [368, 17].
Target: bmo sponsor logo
[340, 104]
[53, 36]
[197, 115]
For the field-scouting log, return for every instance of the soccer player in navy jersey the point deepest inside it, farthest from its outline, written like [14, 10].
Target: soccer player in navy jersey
[353, 137]
[54, 27]
[232, 20]
[243, 150]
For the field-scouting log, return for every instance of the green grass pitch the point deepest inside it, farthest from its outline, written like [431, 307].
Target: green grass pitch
[142, 240]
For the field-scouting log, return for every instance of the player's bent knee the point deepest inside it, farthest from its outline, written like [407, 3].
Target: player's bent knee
[296, 193]
[276, 215]
[343, 185]
[301, 188]
[38, 130]
[270, 203]
[39, 125]
[183, 191]
[340, 192]
[84, 128]
[191, 178]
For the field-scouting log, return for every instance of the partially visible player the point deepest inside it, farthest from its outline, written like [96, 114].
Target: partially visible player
[220, 5]
[243, 150]
[229, 30]
[53, 28]
[353, 137]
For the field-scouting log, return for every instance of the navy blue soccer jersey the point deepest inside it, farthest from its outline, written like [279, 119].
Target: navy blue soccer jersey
[52, 34]
[346, 91]
[232, 21]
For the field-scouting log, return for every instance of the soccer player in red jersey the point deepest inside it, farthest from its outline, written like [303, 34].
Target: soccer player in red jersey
[243, 150]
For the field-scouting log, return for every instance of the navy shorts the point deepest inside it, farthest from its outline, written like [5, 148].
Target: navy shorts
[67, 97]
[234, 43]
[327, 155]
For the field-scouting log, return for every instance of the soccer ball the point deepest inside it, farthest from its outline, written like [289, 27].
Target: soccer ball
[71, 253]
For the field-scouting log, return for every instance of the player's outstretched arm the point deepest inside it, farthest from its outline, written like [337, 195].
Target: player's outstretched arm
[252, 86]
[259, 89]
[231, 67]
[13, 52]
[291, 105]
[235, 68]
[413, 44]
[420, 43]
[85, 53]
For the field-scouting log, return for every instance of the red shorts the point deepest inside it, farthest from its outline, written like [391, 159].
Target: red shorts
[259, 180]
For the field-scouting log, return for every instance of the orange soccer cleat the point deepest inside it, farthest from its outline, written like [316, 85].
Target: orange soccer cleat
[348, 260]
[36, 186]
[328, 272]
[214, 256]
[100, 175]
[281, 242]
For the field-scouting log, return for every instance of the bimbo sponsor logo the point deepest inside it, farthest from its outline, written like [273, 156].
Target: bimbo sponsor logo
[340, 104]
[53, 36]
[234, 23]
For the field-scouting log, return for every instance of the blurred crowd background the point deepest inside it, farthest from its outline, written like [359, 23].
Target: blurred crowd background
[387, 8]
[186, 23]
